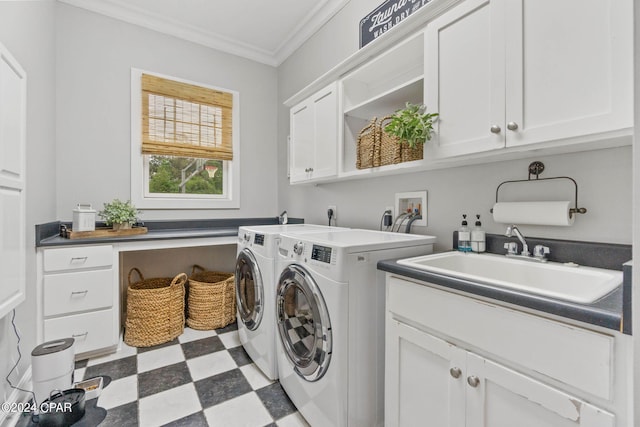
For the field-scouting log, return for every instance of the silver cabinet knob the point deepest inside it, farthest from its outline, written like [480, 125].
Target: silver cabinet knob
[455, 372]
[512, 126]
[473, 381]
[298, 248]
[495, 129]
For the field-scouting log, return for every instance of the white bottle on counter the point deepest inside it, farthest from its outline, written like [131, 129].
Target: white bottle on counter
[478, 237]
[464, 236]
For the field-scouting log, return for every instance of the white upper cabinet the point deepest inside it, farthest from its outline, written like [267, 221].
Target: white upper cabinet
[314, 136]
[504, 76]
[508, 73]
[569, 68]
[13, 83]
[464, 78]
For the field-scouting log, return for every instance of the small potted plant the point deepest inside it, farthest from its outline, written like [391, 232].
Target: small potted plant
[412, 125]
[120, 215]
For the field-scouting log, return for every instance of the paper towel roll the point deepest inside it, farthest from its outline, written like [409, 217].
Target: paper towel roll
[535, 213]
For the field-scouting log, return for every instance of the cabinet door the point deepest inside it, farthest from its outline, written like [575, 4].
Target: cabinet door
[568, 68]
[424, 383]
[302, 141]
[314, 136]
[500, 397]
[12, 182]
[464, 78]
[325, 105]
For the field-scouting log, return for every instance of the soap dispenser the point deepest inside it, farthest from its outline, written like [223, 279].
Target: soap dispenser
[478, 237]
[464, 236]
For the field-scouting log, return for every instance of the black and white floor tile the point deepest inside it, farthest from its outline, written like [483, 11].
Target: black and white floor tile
[203, 378]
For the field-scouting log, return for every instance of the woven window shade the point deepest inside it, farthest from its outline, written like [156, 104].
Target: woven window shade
[180, 119]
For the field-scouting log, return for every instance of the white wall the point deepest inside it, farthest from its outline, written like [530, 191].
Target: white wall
[94, 56]
[26, 29]
[604, 176]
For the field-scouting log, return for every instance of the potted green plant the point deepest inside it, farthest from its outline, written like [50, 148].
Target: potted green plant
[412, 125]
[119, 214]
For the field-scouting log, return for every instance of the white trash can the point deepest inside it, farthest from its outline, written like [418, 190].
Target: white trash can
[52, 366]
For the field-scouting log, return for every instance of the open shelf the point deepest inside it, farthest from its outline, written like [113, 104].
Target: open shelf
[377, 89]
[386, 103]
[386, 74]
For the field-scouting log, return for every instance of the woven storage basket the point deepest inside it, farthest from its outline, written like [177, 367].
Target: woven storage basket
[390, 146]
[367, 146]
[155, 310]
[211, 301]
[410, 154]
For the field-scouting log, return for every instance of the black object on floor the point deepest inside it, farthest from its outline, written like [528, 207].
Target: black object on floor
[93, 414]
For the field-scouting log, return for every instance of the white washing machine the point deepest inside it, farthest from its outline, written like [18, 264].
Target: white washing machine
[330, 319]
[255, 278]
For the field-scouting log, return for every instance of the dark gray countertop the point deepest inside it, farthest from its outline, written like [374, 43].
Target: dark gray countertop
[606, 312]
[48, 234]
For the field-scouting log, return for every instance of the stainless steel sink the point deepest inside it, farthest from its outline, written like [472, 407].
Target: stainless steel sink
[578, 284]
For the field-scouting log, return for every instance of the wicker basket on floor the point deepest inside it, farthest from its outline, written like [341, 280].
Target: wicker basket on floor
[367, 146]
[155, 310]
[211, 300]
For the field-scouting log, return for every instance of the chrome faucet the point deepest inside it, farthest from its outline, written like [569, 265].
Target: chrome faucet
[512, 230]
[539, 252]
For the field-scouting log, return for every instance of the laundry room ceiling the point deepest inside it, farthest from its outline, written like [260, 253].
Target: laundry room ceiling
[264, 31]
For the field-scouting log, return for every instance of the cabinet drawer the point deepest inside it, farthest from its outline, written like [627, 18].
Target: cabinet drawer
[67, 293]
[91, 331]
[575, 356]
[78, 257]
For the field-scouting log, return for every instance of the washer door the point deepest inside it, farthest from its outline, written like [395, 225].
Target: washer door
[249, 290]
[303, 323]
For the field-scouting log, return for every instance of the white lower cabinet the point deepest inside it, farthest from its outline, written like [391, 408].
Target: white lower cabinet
[433, 381]
[434, 378]
[91, 331]
[497, 396]
[80, 296]
[419, 386]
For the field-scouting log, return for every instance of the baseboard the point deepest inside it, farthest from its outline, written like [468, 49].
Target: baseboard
[10, 419]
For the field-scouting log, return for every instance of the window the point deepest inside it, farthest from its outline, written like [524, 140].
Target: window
[184, 144]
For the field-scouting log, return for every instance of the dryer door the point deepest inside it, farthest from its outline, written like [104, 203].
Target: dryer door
[303, 323]
[249, 290]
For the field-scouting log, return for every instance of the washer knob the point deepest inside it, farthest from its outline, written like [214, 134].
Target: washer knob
[298, 248]
[247, 237]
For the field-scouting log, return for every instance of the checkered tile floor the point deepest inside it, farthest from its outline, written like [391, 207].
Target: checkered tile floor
[203, 378]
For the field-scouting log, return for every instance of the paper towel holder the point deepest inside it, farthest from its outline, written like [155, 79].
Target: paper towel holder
[535, 169]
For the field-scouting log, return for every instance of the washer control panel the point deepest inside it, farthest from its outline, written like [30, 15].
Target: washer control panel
[321, 253]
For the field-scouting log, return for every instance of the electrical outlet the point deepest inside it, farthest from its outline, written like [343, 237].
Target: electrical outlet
[334, 208]
[390, 208]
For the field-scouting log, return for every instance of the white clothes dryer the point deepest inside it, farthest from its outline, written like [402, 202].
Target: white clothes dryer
[255, 290]
[330, 318]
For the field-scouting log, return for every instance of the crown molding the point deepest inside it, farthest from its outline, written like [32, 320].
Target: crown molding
[122, 11]
[319, 16]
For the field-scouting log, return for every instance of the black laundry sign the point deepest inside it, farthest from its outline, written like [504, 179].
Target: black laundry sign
[386, 16]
